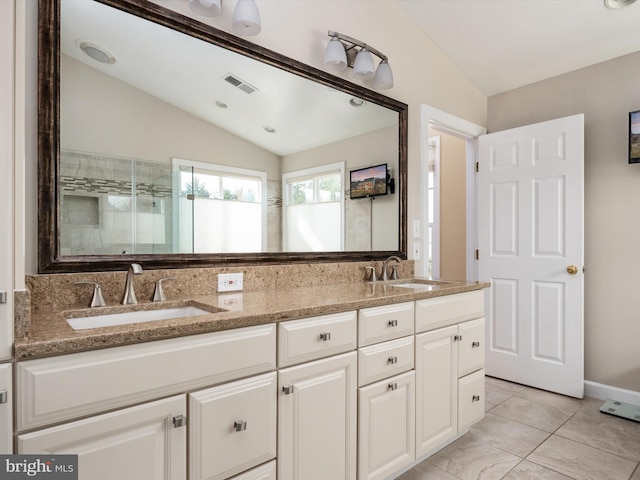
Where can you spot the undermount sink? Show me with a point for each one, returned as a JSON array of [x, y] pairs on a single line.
[[420, 283], [97, 319]]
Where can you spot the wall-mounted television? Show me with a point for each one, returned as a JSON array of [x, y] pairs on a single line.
[[368, 182]]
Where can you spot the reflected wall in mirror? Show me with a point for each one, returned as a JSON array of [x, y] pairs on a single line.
[[196, 146]]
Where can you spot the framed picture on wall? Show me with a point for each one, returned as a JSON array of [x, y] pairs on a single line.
[[634, 137]]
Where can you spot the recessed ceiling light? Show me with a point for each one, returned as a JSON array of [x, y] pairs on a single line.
[[220, 104], [269, 129], [617, 4], [98, 53], [356, 102]]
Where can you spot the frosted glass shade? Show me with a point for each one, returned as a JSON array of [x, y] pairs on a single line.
[[206, 8], [363, 65], [335, 57], [246, 18], [383, 79]]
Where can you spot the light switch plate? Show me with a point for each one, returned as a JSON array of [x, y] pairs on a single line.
[[230, 282], [416, 229]]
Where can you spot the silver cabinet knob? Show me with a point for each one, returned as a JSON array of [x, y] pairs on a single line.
[[475, 344], [457, 338], [393, 323], [240, 425], [325, 336], [179, 421], [392, 360], [287, 389], [393, 386], [475, 398], [3, 396]]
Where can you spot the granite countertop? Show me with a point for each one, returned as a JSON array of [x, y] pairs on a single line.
[[50, 334]]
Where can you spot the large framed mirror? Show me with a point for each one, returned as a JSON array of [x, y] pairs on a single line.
[[168, 142]]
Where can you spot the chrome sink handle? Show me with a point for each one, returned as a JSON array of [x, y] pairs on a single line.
[[97, 300], [158, 293], [372, 276]]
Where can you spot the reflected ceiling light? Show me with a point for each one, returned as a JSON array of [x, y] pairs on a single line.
[[246, 17], [356, 102], [206, 8], [343, 51], [97, 52]]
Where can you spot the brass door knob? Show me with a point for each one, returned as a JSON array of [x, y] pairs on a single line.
[[572, 269]]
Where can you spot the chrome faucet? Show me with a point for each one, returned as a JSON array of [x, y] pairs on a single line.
[[385, 265], [129, 293]]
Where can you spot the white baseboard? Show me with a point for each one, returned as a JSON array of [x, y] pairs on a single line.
[[607, 392]]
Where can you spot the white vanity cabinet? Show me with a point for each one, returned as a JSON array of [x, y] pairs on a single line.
[[449, 367], [146, 442], [317, 414], [230, 374], [386, 397], [6, 409]]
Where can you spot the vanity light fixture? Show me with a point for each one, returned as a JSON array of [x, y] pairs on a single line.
[[246, 17], [343, 51], [617, 4]]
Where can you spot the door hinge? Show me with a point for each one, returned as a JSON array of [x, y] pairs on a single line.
[[477, 167], [477, 254]]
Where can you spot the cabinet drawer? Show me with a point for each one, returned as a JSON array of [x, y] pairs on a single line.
[[232, 427], [471, 347], [60, 388], [378, 324], [263, 472], [382, 360], [316, 337], [470, 399], [449, 309]]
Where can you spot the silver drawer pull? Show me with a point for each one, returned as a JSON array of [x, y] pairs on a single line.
[[3, 396], [179, 421], [393, 386], [392, 360], [393, 323], [240, 425], [325, 336], [457, 338], [475, 344], [475, 398], [287, 389]]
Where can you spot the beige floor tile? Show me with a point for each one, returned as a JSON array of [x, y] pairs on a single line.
[[495, 396], [562, 402], [580, 461], [636, 476], [537, 415], [469, 459], [530, 471], [504, 434], [605, 432], [498, 385], [488, 406], [426, 471]]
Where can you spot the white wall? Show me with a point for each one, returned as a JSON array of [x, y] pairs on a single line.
[[605, 93]]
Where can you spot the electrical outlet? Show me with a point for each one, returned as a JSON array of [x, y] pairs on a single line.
[[416, 250], [230, 282]]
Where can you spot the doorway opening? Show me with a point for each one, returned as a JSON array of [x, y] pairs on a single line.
[[448, 195]]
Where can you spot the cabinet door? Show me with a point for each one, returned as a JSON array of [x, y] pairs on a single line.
[[470, 399], [386, 426], [471, 347], [6, 409], [317, 420], [232, 427], [436, 388], [139, 442]]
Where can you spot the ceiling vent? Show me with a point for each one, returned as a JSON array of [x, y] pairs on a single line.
[[238, 83]]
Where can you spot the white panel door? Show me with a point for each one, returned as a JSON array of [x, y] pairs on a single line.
[[530, 224]]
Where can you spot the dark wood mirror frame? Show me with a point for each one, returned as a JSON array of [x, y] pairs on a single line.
[[49, 258]]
